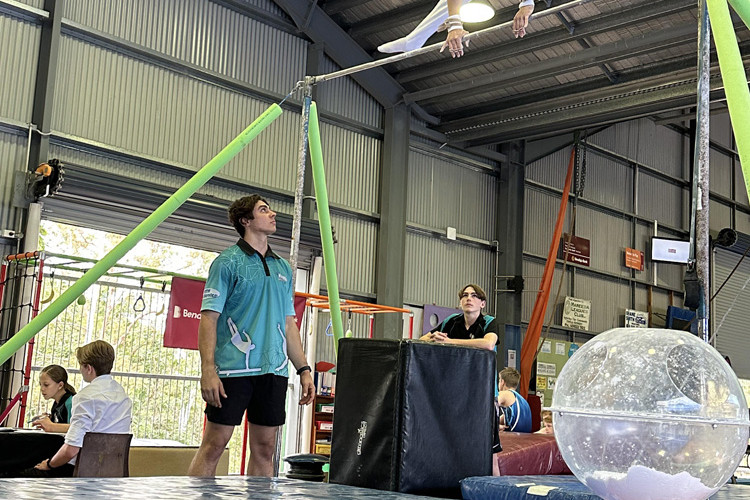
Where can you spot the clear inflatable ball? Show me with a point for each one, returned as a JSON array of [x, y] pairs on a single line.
[[650, 414]]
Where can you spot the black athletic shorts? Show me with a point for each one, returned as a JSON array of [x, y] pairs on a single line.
[[263, 396]]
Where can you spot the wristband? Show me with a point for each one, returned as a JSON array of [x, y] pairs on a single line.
[[456, 27], [305, 368], [49, 464]]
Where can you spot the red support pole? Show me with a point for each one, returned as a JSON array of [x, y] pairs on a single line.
[[30, 349], [2, 283], [9, 407], [372, 324], [411, 326], [244, 446]]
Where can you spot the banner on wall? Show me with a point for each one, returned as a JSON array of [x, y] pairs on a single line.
[[184, 313]]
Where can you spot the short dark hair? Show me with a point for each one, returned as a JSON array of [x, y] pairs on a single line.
[[477, 289], [98, 354], [243, 209], [511, 377]]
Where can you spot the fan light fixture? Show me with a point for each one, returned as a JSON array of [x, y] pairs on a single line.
[[477, 11]]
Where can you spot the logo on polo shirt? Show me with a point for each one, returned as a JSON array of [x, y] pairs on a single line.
[[211, 293], [282, 278]]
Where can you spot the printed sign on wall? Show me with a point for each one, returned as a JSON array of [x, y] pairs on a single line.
[[634, 259], [636, 319], [576, 250], [576, 313]]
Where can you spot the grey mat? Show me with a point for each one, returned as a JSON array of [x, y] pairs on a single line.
[[185, 488]]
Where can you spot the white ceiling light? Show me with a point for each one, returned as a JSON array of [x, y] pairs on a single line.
[[476, 11]]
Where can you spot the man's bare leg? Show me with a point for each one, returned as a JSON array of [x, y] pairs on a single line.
[[215, 439], [262, 447]]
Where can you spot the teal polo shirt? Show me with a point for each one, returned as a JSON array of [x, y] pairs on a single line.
[[253, 294]]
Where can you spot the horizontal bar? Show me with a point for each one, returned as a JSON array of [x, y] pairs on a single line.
[[379, 307], [24, 256], [436, 46]]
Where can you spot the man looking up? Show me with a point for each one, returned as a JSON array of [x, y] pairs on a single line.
[[247, 327]]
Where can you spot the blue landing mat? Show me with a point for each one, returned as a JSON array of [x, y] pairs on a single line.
[[556, 488], [184, 488]]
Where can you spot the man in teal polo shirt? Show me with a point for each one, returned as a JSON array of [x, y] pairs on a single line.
[[247, 336]]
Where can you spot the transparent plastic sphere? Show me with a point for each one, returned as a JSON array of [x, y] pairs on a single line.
[[650, 414]]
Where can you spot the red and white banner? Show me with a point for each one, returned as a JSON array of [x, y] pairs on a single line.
[[184, 313]]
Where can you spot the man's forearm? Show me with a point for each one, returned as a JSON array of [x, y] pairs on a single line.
[[294, 345], [487, 342], [207, 340]]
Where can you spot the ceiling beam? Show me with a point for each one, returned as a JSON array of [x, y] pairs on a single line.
[[548, 38], [568, 63], [335, 6], [590, 87], [670, 70], [340, 47], [410, 13], [595, 115]]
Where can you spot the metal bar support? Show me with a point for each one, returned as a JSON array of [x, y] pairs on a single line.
[[436, 46], [700, 168]]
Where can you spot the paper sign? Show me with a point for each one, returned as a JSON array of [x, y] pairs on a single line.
[[547, 346], [576, 313], [560, 348], [511, 358], [546, 369], [636, 319], [541, 382]]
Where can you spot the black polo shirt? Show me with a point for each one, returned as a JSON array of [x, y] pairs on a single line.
[[454, 326]]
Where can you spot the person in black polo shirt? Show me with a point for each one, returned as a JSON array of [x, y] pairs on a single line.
[[472, 328]]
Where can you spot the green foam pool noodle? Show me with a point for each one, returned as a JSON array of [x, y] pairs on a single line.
[[141, 231]]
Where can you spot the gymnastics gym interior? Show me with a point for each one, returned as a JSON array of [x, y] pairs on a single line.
[[585, 163]]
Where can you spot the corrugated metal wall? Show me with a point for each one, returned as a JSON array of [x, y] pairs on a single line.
[[19, 40], [203, 33], [444, 191], [614, 215], [344, 97], [437, 268], [355, 255], [12, 160]]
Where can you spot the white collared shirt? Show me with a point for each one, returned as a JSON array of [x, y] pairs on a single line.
[[101, 406]]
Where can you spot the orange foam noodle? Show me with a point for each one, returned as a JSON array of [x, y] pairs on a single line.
[[21, 256], [321, 301]]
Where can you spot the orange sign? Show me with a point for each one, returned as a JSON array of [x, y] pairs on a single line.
[[634, 259]]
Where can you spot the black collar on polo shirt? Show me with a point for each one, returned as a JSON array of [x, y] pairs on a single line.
[[249, 250], [479, 323]]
